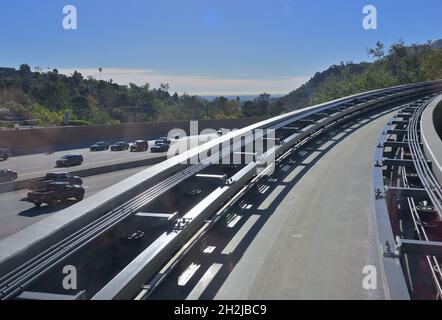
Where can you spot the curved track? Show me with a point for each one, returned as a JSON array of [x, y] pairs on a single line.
[[307, 236]]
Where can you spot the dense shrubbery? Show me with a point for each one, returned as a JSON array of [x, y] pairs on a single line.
[[49, 96], [399, 65]]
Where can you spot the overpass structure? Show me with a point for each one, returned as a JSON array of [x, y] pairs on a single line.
[[279, 209]]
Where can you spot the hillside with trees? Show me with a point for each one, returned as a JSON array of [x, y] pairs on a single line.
[[48, 96], [397, 65]]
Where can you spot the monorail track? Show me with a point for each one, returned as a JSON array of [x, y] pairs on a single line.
[[291, 131]]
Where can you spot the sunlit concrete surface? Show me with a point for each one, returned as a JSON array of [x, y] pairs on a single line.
[[306, 233]]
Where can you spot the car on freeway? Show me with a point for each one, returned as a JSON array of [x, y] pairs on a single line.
[[7, 175], [139, 145], [100, 146], [159, 147], [5, 153], [56, 192], [119, 146], [163, 140], [70, 160], [55, 177]]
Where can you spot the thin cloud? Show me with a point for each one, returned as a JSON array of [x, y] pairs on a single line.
[[194, 84]]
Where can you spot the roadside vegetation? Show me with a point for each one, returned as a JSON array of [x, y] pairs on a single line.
[[49, 96]]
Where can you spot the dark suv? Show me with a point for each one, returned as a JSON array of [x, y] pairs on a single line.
[[99, 146], [55, 192], [55, 177], [163, 140], [119, 146], [70, 160], [139, 145], [159, 147], [7, 175]]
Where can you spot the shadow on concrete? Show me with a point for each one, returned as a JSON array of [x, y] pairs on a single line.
[[221, 235], [45, 209]]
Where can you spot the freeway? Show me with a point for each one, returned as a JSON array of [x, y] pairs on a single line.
[[16, 213], [289, 237], [37, 165]]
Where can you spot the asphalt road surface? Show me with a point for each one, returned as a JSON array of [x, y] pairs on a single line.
[[16, 213], [37, 165], [305, 233]]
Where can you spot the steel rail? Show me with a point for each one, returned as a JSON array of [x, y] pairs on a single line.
[[430, 184], [422, 235], [426, 175]]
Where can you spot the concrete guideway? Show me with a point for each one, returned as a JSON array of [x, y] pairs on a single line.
[[306, 234]]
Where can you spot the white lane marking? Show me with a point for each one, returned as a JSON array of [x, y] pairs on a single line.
[[187, 274], [204, 282]]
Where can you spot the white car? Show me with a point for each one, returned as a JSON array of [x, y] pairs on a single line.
[[5, 153]]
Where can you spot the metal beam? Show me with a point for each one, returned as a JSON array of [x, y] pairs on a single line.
[[397, 144], [397, 131], [296, 129], [167, 216], [399, 122], [404, 115], [427, 248], [213, 176], [307, 120], [420, 193], [400, 162]]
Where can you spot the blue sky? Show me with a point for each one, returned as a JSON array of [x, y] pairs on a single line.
[[207, 46]]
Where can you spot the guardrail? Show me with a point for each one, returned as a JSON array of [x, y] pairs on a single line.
[[171, 172]]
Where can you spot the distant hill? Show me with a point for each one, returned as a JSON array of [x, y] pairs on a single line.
[[400, 64], [305, 95], [437, 44]]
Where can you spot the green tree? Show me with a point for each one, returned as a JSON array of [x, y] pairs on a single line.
[[24, 70]]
